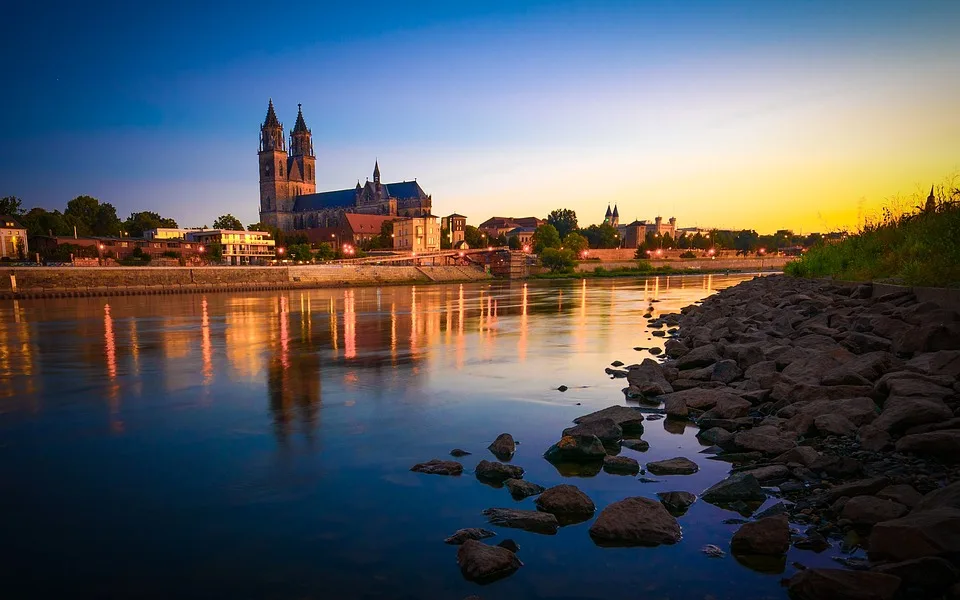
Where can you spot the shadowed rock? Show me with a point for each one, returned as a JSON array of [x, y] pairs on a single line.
[[676, 503], [485, 564], [629, 419], [673, 466], [621, 465], [438, 467], [528, 520], [767, 536], [470, 533], [840, 584], [521, 489], [494, 472], [576, 448], [606, 430], [503, 447], [567, 503], [635, 521]]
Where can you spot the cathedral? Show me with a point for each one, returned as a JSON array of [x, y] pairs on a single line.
[[288, 185]]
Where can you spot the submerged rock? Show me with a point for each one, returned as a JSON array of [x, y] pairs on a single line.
[[484, 564], [606, 430], [673, 466], [503, 447], [635, 521], [567, 503], [638, 445], [438, 467], [470, 533], [528, 520], [576, 448], [676, 503], [621, 465], [736, 487], [494, 472], [629, 419], [457, 452], [767, 536], [521, 489]]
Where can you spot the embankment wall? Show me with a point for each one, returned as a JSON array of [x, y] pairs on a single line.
[[749, 264], [37, 282]]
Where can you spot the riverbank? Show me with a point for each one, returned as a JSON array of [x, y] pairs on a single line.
[[842, 405], [631, 270], [68, 282]]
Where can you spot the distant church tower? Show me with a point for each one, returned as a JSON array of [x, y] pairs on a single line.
[[615, 219], [283, 177], [607, 217]]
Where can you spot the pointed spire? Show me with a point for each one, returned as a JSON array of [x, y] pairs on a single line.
[[271, 120], [376, 171], [616, 213], [608, 215], [300, 126], [931, 192]]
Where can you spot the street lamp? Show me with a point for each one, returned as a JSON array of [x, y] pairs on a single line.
[[280, 253]]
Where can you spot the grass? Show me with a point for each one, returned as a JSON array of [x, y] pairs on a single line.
[[921, 248]]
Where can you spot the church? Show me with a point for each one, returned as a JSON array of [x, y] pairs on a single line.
[[288, 187]]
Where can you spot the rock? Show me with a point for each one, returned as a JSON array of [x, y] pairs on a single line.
[[717, 436], [655, 351], [470, 533], [928, 338], [771, 511], [510, 545], [804, 455], [834, 425], [902, 412], [649, 378], [869, 510], [701, 356], [945, 363], [457, 452], [861, 487], [616, 363], [673, 466], [579, 448], [622, 465], [635, 521], [921, 533], [676, 503], [944, 445], [735, 487], [770, 473], [528, 520], [762, 441], [494, 472], [729, 408], [521, 489], [638, 445], [629, 419], [840, 584], [873, 438], [930, 573], [901, 494], [676, 408], [713, 551], [768, 536], [675, 348], [726, 371], [945, 497], [647, 480], [438, 467], [815, 542], [482, 563], [703, 399], [567, 503], [562, 388], [503, 447], [606, 430]]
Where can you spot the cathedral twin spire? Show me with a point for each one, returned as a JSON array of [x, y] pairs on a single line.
[[272, 138]]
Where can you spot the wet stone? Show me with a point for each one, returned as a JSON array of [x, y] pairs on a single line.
[[503, 447], [470, 533], [494, 472], [621, 465], [438, 467], [521, 489]]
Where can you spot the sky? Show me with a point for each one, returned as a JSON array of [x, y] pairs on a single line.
[[804, 115]]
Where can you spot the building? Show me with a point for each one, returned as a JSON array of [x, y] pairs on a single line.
[[416, 234], [524, 234], [168, 233], [637, 231], [456, 228], [13, 239], [239, 247], [612, 218], [288, 185], [494, 227], [692, 231], [350, 229], [112, 247]]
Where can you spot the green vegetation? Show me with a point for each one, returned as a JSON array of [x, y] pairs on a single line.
[[643, 269], [920, 247], [558, 261], [564, 220], [546, 236], [575, 242], [229, 222]]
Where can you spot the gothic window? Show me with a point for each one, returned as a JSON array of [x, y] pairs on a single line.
[[266, 170], [280, 169]]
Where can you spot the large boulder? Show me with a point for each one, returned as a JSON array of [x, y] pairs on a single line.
[[673, 466], [930, 573], [945, 363], [944, 445], [503, 447], [928, 338], [438, 467], [567, 502], [870, 510], [576, 448], [649, 378], [860, 487], [675, 407], [484, 564], [802, 455], [726, 371], [621, 465], [629, 419], [635, 521], [716, 436], [834, 425], [902, 412], [767, 536], [765, 439], [494, 472], [676, 503], [729, 408], [701, 356], [770, 473], [606, 430], [840, 584], [701, 398], [869, 367], [736, 487], [521, 489], [922, 533], [901, 494], [528, 520], [945, 497], [801, 415]]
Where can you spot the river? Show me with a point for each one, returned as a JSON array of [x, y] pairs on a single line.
[[258, 445]]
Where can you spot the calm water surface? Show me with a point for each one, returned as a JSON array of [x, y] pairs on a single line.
[[258, 445]]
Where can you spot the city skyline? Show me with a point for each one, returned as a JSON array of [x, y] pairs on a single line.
[[745, 116]]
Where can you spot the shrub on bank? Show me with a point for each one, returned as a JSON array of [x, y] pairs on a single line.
[[558, 261], [917, 248]]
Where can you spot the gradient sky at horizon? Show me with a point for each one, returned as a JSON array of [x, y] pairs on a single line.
[[804, 115]]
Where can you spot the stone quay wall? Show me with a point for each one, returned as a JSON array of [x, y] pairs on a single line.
[[54, 282], [747, 264]]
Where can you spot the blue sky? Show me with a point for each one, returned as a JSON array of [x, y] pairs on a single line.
[[734, 114]]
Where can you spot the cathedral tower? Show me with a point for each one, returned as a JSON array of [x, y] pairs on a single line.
[[303, 163], [615, 219], [275, 199]]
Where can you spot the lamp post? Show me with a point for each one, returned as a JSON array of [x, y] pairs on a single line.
[[762, 252], [100, 253]]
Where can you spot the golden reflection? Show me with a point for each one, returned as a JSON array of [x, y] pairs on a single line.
[[284, 333], [113, 388], [332, 311], [349, 325], [522, 344], [413, 320], [393, 332], [206, 348]]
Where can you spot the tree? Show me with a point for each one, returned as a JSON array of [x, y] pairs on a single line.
[[558, 261], [602, 236], [40, 222], [229, 222], [300, 252], [575, 242], [746, 241], [106, 222], [139, 222], [473, 237], [546, 236], [564, 220], [85, 210], [324, 251], [445, 243], [215, 252], [514, 243], [385, 239], [11, 205]]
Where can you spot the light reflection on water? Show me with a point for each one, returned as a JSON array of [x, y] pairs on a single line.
[[258, 445]]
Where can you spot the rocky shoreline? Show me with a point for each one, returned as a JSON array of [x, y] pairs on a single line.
[[842, 407]]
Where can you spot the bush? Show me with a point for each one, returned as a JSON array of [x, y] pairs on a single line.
[[558, 261], [644, 265], [688, 254], [599, 270]]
